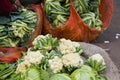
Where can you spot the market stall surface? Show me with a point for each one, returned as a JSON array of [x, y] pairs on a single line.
[[110, 39]]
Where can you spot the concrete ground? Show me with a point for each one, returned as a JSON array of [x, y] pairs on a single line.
[[109, 40]]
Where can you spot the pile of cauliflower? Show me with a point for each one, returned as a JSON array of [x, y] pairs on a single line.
[[32, 57], [44, 52]]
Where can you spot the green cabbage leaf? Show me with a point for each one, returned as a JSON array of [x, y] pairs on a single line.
[[84, 73], [60, 77]]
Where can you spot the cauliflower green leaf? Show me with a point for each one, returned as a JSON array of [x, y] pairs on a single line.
[[45, 43], [97, 63]]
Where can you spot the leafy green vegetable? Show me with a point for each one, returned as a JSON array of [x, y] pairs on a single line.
[[4, 20], [17, 76], [91, 20], [33, 73], [98, 66], [96, 63], [54, 53], [89, 11], [20, 28], [45, 43], [93, 5], [98, 77], [45, 74], [3, 66], [69, 69], [84, 73], [58, 11], [6, 70], [16, 28], [81, 6], [29, 16], [61, 76], [79, 50], [12, 16], [15, 15]]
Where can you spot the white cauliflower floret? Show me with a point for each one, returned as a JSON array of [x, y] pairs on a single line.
[[72, 59], [67, 46], [98, 58], [27, 63], [56, 64], [33, 57], [21, 68]]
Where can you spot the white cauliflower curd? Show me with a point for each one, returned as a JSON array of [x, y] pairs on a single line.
[[98, 58], [32, 57], [55, 64], [21, 68], [67, 46], [72, 59]]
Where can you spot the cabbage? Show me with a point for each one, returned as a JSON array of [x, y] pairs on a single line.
[[33, 74], [84, 73], [60, 77]]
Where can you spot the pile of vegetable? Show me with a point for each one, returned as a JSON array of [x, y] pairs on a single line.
[[15, 29], [89, 12], [50, 58], [77, 20], [53, 59], [58, 12]]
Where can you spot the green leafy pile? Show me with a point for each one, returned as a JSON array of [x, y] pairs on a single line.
[[89, 12], [6, 70], [15, 28], [58, 12]]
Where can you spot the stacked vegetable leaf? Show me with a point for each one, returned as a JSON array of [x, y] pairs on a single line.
[[89, 12], [58, 12], [15, 28], [6, 70], [53, 59]]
